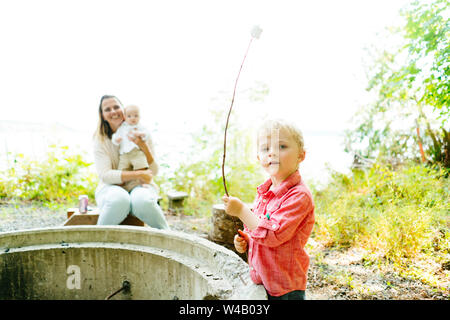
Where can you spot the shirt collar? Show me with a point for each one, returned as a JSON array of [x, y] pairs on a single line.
[[289, 182]]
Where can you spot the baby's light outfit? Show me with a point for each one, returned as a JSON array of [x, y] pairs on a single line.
[[131, 156]]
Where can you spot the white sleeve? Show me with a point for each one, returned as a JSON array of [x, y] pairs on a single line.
[[120, 133], [114, 137], [103, 165]]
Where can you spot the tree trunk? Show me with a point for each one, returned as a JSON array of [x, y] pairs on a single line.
[[224, 227]]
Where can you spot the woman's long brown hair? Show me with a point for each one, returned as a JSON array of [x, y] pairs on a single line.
[[103, 128]]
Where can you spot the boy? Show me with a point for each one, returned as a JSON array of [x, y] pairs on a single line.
[[131, 157], [277, 230]]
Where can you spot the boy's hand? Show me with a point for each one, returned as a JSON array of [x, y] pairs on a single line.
[[243, 235], [241, 242], [233, 206]]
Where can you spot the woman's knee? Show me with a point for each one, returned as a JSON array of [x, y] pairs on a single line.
[[118, 197], [144, 205], [142, 197], [114, 206]]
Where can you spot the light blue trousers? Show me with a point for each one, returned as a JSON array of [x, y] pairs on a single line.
[[115, 203]]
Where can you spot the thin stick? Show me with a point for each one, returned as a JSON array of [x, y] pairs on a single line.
[[228, 118]]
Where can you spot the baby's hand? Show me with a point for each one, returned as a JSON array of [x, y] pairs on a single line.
[[139, 134], [118, 140], [240, 242], [131, 136]]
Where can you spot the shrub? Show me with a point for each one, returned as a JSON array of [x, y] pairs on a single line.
[[396, 213], [59, 178]]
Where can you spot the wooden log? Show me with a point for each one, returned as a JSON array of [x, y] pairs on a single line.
[[223, 226]]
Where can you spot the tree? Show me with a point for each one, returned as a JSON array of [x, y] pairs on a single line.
[[411, 86]]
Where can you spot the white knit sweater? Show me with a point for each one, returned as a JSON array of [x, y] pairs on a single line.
[[106, 158]]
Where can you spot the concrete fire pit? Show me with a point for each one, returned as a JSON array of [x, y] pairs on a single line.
[[94, 262]]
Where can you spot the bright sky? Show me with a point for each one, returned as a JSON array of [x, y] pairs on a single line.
[[174, 57]]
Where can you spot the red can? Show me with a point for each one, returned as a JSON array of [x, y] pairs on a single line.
[[83, 203]]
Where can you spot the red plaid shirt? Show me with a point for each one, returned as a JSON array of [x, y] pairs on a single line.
[[276, 254]]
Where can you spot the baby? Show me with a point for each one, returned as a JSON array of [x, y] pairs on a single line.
[[131, 157]]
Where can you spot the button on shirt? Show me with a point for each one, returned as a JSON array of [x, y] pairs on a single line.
[[276, 255]]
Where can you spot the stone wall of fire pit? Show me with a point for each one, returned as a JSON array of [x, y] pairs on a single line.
[[93, 262]]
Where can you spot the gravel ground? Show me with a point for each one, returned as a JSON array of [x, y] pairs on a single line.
[[29, 216], [333, 274]]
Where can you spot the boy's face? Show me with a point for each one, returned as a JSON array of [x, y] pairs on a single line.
[[132, 116], [278, 153]]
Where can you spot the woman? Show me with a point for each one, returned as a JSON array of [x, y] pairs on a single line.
[[114, 202]]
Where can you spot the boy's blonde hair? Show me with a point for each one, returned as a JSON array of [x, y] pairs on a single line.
[[296, 133]]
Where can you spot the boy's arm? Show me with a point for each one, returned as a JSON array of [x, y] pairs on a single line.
[[248, 218], [235, 207], [296, 211]]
